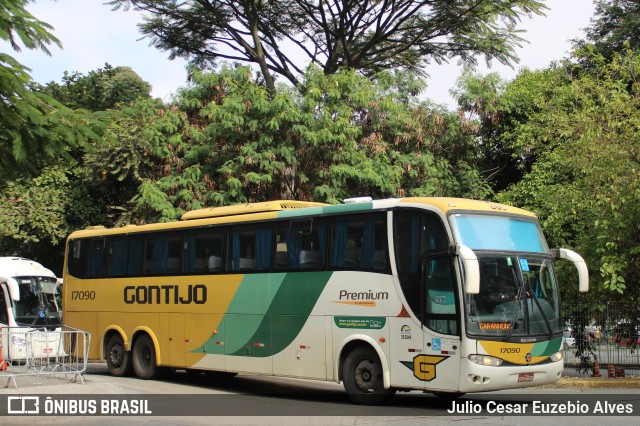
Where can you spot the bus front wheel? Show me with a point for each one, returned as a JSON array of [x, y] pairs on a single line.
[[362, 377], [144, 359], [118, 359]]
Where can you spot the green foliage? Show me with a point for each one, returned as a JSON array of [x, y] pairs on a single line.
[[18, 26], [34, 127], [45, 189], [562, 141], [510, 149], [580, 131], [33, 208], [100, 90], [34, 213], [116, 166], [616, 24], [228, 140]]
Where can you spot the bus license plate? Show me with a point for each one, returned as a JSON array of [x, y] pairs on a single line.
[[525, 377]]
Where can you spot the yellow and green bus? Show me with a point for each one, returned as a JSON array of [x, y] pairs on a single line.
[[440, 295]]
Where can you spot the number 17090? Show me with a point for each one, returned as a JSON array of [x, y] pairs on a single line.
[[83, 295]]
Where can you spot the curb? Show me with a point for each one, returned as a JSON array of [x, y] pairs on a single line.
[[594, 382]]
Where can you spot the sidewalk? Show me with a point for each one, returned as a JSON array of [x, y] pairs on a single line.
[[104, 384]]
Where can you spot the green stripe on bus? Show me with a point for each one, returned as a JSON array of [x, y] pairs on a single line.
[[244, 314], [338, 208], [266, 313], [546, 348], [255, 293], [287, 314]]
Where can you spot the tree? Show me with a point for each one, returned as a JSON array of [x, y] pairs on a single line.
[[508, 148], [481, 98], [33, 126], [115, 167], [100, 90], [369, 36], [228, 140], [34, 213], [19, 26], [582, 128], [616, 23]]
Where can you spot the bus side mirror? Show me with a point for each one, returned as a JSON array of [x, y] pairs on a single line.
[[581, 266], [12, 286], [471, 269]]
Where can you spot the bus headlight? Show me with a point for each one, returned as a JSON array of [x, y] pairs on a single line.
[[556, 357], [485, 360]]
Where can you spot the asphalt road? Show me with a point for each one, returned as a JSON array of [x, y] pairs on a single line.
[[184, 399]]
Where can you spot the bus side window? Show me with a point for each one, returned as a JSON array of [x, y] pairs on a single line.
[[162, 254], [302, 244], [125, 256], [78, 256], [359, 242], [4, 315], [420, 241], [97, 259], [135, 255], [202, 251], [415, 234], [441, 300], [249, 248], [118, 256], [284, 244], [344, 253]]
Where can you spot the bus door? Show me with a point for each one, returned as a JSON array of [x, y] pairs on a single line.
[[407, 347], [439, 364]]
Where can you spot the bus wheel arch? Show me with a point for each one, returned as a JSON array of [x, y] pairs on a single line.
[[363, 369], [116, 354], [145, 358]]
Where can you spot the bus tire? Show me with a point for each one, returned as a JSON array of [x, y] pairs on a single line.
[[362, 377], [118, 359], [144, 359]]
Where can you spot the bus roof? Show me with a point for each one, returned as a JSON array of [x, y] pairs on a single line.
[[291, 208], [13, 266], [448, 204], [238, 209]]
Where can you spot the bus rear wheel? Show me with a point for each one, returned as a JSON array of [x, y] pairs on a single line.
[[144, 359], [362, 377], [118, 359]]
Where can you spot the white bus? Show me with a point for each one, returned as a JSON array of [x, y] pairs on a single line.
[[439, 295], [29, 302]]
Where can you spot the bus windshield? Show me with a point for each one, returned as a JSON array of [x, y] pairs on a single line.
[[507, 233], [518, 292], [38, 304], [518, 297]]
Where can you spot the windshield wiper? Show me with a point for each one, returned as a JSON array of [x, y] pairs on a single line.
[[533, 296], [515, 312]]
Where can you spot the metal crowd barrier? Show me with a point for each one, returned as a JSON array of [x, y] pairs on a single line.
[[36, 352]]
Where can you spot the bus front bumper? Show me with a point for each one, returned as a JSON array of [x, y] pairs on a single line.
[[481, 378]]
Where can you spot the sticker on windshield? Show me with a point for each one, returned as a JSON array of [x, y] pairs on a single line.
[[495, 326], [524, 265]]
